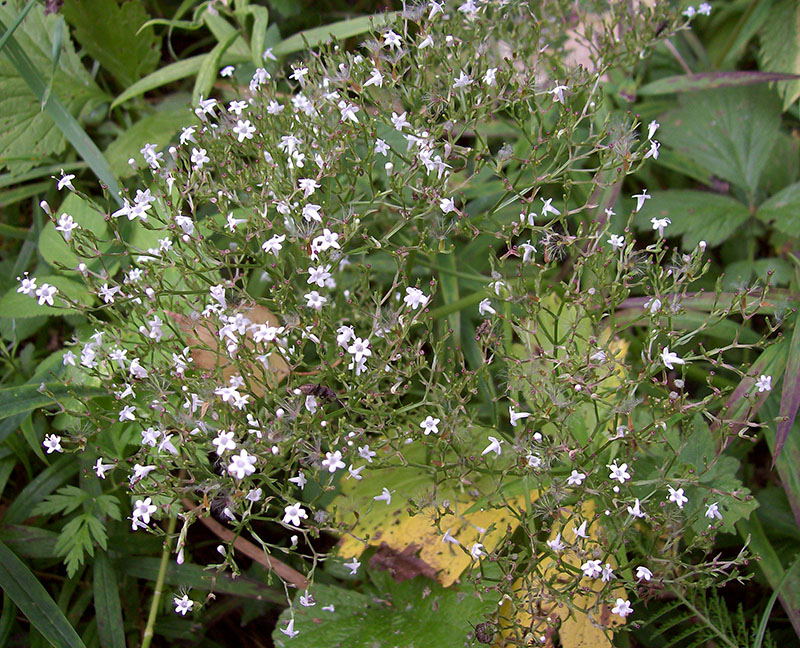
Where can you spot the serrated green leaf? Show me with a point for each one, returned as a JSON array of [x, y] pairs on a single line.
[[108, 609], [64, 501], [108, 505], [708, 128], [27, 135], [34, 602], [109, 32], [157, 128], [74, 542], [695, 215], [416, 612], [783, 210], [780, 46]]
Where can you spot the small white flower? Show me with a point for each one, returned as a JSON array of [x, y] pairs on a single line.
[[385, 496], [592, 569], [764, 383], [289, 630], [430, 424], [486, 307], [712, 512], [494, 446], [580, 532], [244, 130], [293, 513], [670, 358], [640, 199], [616, 241], [547, 208], [447, 205], [199, 158], [227, 71], [333, 461], [622, 608], [353, 566], [415, 298], [392, 40], [183, 605], [46, 294], [300, 480], [636, 510], [619, 473], [242, 465], [659, 223], [224, 442], [101, 469], [463, 81], [274, 244], [677, 496], [652, 127], [643, 573], [576, 478], [65, 225], [476, 551], [53, 443], [516, 416], [558, 93], [556, 544], [315, 300]]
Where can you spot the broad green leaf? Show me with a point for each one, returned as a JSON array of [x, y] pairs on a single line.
[[14, 305], [28, 397], [780, 46], [708, 128], [709, 80], [109, 32], [57, 252], [200, 578], [7, 619], [107, 604], [259, 33], [34, 602], [27, 134], [695, 215], [783, 210], [416, 612], [156, 128]]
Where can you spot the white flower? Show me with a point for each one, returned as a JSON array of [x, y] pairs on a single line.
[[516, 416], [494, 446], [143, 509], [289, 630], [381, 147], [643, 573], [359, 349], [415, 298], [65, 225], [704, 9], [591, 569], [53, 443], [293, 513], [355, 473], [712, 512], [447, 205], [46, 294], [556, 544], [319, 275], [127, 413], [300, 480], [430, 424], [376, 78], [636, 510], [764, 383], [640, 198], [669, 358], [659, 223], [476, 551], [224, 442], [227, 71], [333, 461], [27, 286], [365, 453], [652, 127], [244, 130], [580, 532], [315, 300], [199, 158], [385, 496], [558, 93], [620, 473], [65, 181], [677, 496], [576, 478], [242, 465], [392, 40], [353, 566], [274, 244], [548, 208], [528, 251], [622, 608], [489, 78], [463, 81], [449, 538], [399, 121], [348, 111], [183, 605], [486, 307], [616, 241]]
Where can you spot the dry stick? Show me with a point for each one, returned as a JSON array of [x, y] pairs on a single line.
[[250, 550]]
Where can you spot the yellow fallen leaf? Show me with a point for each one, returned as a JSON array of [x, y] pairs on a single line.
[[577, 629]]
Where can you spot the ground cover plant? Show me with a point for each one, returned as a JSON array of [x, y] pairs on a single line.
[[418, 338]]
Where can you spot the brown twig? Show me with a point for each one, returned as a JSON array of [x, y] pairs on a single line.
[[291, 576]]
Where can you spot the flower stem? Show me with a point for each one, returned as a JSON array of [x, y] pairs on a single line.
[[147, 638]]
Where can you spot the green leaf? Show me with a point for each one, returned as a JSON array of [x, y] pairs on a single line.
[[29, 541], [416, 612], [34, 602], [156, 128], [210, 68], [740, 273], [780, 46], [109, 33], [783, 210], [708, 128], [57, 252], [258, 33], [17, 22], [338, 30], [26, 133], [107, 607], [695, 215], [709, 80], [28, 397], [200, 578], [7, 619], [14, 305], [64, 501], [43, 484], [74, 542]]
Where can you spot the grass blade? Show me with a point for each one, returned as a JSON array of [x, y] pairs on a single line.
[[210, 67], [110, 627], [68, 125], [790, 396], [340, 30], [34, 602], [28, 397], [17, 21], [7, 619], [708, 80], [762, 626]]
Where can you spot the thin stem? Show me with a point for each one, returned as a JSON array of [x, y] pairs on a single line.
[[147, 637]]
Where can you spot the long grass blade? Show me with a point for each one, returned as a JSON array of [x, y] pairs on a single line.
[[17, 22]]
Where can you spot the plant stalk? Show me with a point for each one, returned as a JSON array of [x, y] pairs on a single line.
[[147, 637]]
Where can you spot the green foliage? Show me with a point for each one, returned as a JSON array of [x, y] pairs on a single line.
[[28, 135], [780, 45], [109, 33], [416, 612]]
